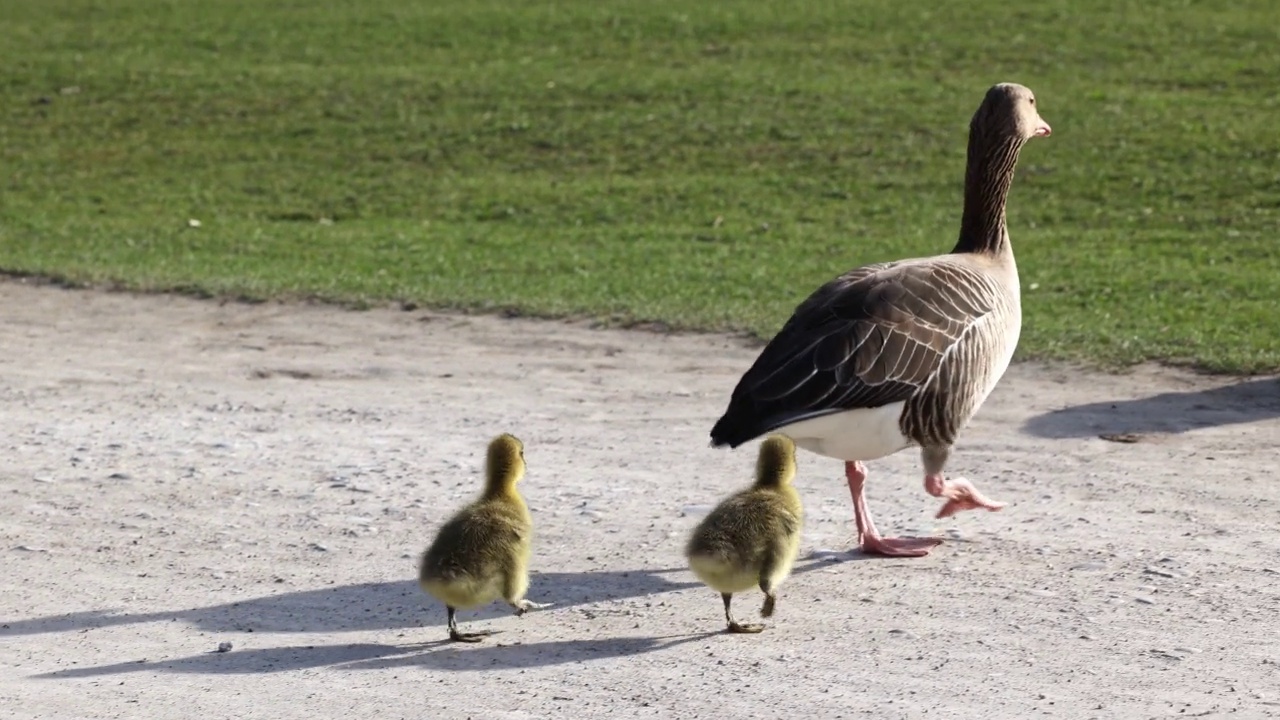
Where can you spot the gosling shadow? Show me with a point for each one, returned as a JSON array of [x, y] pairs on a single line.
[[370, 606], [375, 606], [248, 662], [1172, 412], [436, 655], [480, 658]]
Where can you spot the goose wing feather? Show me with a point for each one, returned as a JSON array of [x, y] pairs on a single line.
[[873, 336]]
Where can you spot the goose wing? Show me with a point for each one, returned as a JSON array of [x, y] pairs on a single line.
[[873, 336]]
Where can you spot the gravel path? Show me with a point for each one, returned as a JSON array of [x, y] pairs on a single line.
[[181, 475]]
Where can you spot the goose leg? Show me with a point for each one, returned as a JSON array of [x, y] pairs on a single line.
[[960, 493], [770, 598], [871, 541], [734, 625], [456, 636]]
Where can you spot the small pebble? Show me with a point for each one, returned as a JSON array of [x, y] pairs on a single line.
[[1144, 600], [224, 646]]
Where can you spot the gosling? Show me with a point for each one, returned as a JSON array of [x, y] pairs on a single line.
[[753, 536], [482, 553]]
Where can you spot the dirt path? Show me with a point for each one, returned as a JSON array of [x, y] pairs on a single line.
[[179, 474]]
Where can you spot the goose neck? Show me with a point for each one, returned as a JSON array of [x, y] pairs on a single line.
[[988, 178]]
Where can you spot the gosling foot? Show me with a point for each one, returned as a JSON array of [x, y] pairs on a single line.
[[473, 637], [524, 606], [734, 625]]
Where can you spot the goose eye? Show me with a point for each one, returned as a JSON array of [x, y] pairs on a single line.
[[1033, 101]]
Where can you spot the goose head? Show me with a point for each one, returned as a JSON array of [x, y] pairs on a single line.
[[1009, 111]]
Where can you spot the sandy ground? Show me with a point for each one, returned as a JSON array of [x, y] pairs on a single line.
[[180, 473]]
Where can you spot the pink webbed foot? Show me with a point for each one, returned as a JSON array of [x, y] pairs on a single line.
[[898, 546], [870, 540], [961, 495]]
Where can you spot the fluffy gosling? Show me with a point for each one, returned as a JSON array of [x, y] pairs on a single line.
[[482, 553], [753, 536]]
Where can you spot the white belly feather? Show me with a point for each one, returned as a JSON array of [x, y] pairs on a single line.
[[871, 433], [863, 434]]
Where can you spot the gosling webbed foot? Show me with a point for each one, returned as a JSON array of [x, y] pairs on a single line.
[[770, 601], [472, 637], [734, 625], [456, 636], [524, 606]]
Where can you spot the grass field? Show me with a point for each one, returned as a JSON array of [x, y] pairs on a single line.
[[700, 164]]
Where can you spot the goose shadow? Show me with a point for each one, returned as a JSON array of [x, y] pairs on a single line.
[[438, 655], [375, 606], [1171, 412]]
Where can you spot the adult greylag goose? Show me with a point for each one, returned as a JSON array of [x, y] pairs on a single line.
[[902, 354]]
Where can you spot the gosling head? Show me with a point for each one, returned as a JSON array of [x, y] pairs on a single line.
[[776, 464], [504, 466]]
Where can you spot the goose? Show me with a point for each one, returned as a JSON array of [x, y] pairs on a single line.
[[482, 553], [902, 354], [752, 537]]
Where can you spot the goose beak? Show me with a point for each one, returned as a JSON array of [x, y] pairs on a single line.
[[1042, 129]]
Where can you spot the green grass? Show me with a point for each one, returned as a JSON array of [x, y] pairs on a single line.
[[700, 164]]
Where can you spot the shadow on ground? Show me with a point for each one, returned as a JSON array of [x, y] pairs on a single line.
[[1172, 412], [436, 656], [376, 606]]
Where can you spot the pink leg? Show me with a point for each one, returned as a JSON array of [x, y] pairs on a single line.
[[872, 543], [960, 494]]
